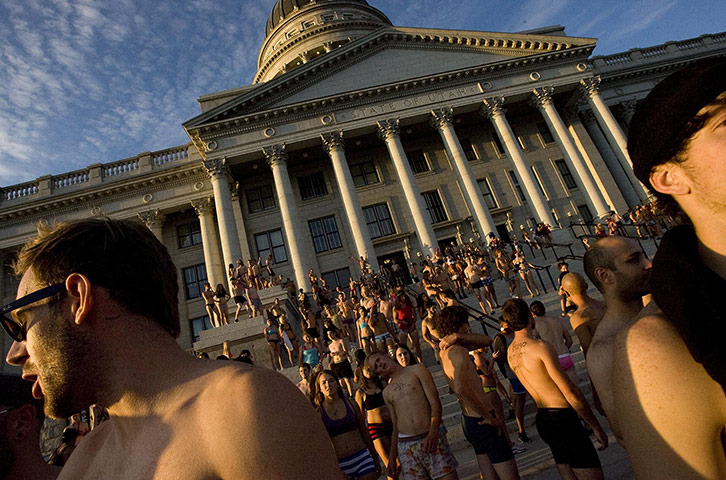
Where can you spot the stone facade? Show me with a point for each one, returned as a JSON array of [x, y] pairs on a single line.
[[385, 143]]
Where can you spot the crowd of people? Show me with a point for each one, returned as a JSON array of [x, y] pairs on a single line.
[[96, 317]]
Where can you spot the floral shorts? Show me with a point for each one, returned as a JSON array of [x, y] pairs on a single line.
[[416, 464]]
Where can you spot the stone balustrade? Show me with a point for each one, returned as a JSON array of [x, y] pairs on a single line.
[[606, 63], [93, 175]]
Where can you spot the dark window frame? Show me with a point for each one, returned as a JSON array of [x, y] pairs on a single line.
[[489, 199], [191, 231], [417, 161], [260, 199], [468, 147], [206, 325], [544, 133], [193, 287], [434, 203], [326, 236], [364, 173], [566, 174], [336, 275], [276, 249], [517, 187], [379, 225], [312, 186]]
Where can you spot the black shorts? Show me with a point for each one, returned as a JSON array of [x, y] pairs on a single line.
[[342, 369], [487, 440], [561, 429], [239, 299], [313, 332]]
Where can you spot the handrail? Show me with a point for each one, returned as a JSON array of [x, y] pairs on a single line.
[[546, 268]]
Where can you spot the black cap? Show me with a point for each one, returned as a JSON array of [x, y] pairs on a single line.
[[656, 129]]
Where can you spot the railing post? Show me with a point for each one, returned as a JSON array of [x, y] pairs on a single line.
[[145, 165], [45, 186], [95, 174]]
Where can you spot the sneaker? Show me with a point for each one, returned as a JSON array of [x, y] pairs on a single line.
[[518, 448], [523, 437]]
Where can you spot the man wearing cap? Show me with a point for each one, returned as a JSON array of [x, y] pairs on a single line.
[[669, 372], [21, 417]]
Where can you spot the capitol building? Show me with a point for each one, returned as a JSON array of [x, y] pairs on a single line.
[[360, 138]]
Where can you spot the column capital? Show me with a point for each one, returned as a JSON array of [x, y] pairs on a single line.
[[441, 117], [590, 86], [152, 218], [388, 128], [275, 154], [627, 108], [216, 167], [493, 107], [203, 206], [332, 141], [542, 97]]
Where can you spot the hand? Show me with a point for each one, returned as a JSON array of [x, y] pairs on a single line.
[[496, 354], [431, 441], [601, 437], [448, 341]]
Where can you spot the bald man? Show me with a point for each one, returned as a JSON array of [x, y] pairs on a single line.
[[585, 319], [621, 272]]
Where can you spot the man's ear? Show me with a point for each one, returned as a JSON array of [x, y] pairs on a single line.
[[669, 178], [82, 296], [20, 423], [605, 276]]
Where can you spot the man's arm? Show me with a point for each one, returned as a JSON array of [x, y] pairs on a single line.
[[471, 341], [307, 451], [393, 467], [467, 385], [670, 412], [432, 396], [571, 392]]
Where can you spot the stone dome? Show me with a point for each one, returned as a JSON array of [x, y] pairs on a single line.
[[297, 31]]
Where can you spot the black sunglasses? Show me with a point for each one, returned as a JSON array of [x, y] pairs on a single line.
[[15, 329]]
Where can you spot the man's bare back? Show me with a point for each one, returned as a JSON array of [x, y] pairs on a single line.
[[585, 319], [215, 425], [552, 331]]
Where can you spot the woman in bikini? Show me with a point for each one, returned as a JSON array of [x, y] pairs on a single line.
[[272, 335], [291, 345], [346, 427], [309, 353], [208, 294], [365, 334], [369, 398], [525, 273]]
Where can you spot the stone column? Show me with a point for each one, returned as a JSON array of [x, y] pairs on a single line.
[[613, 133], [240, 221], [442, 121], [388, 131], [218, 172], [615, 167], [334, 145], [210, 241], [277, 159], [154, 221], [493, 110], [542, 99]]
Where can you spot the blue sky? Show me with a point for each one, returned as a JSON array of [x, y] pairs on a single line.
[[84, 81]]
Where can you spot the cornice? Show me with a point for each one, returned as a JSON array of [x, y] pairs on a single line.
[[640, 71], [70, 202], [332, 104]]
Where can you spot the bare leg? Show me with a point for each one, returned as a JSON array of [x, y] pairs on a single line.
[[505, 470], [383, 446], [486, 468], [416, 345], [588, 473], [566, 472], [518, 400]]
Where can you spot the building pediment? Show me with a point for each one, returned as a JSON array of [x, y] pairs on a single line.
[[387, 58]]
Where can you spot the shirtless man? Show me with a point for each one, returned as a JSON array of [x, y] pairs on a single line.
[[486, 432], [668, 372], [95, 323], [418, 439], [559, 401], [585, 319], [239, 288], [552, 331], [381, 328], [621, 272]]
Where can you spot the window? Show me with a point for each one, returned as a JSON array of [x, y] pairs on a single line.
[[259, 199], [325, 234], [522, 143], [585, 213], [517, 187], [336, 278], [312, 186], [271, 243], [417, 160], [199, 324], [544, 133], [435, 207], [189, 234], [486, 191], [498, 144], [194, 279], [539, 182], [364, 174], [379, 220], [468, 148], [566, 174]]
